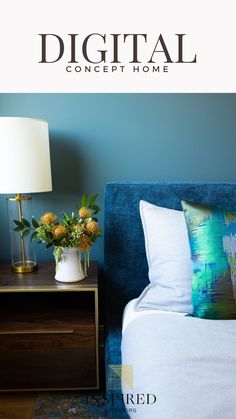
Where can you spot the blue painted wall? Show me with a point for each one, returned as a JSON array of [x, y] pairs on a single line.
[[95, 138]]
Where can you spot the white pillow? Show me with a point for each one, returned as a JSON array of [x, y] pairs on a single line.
[[169, 260]]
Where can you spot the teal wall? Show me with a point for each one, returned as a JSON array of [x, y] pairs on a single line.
[[95, 138]]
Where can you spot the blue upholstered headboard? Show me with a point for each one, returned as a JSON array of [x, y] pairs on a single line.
[[125, 261]]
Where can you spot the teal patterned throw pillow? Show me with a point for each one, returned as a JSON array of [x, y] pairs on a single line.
[[212, 237]]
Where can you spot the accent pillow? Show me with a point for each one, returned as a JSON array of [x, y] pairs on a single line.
[[212, 235], [169, 260]]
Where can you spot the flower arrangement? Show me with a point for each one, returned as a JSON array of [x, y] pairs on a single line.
[[79, 230]]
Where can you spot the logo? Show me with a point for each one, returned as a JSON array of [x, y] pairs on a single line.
[[99, 52], [119, 376]]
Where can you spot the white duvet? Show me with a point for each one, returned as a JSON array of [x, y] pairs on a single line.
[[187, 364]]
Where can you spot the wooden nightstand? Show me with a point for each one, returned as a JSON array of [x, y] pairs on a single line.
[[48, 331]]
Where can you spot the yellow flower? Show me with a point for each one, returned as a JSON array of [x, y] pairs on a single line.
[[48, 218], [59, 231], [84, 212], [93, 227], [74, 226], [85, 244]]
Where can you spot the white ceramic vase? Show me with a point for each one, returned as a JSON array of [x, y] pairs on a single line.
[[70, 267]]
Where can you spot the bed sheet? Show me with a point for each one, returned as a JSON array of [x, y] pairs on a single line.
[[131, 313], [178, 367]]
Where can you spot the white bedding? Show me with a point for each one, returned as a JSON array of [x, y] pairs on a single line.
[[131, 313], [189, 364]]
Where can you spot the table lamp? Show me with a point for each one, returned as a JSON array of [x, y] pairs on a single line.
[[24, 168]]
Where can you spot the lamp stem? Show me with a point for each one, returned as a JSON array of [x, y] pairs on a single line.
[[19, 201], [23, 259]]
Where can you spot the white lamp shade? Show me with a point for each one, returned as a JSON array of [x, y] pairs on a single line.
[[24, 156]]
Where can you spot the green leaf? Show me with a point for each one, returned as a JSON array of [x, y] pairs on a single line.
[[18, 223], [20, 228], [33, 236], [35, 223], [84, 200], [95, 208], [73, 218], [26, 222], [48, 245], [25, 233], [66, 217], [92, 199]]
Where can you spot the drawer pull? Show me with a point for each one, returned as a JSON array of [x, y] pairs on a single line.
[[36, 331]]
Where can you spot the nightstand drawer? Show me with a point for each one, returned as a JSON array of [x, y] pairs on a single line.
[[49, 331], [48, 360]]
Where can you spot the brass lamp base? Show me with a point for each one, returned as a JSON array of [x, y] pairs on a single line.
[[22, 253], [24, 267]]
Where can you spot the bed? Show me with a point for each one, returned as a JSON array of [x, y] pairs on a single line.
[[174, 366]]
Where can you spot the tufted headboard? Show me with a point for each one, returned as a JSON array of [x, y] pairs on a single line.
[[126, 271]]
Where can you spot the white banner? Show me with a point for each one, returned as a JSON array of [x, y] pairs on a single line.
[[125, 46]]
